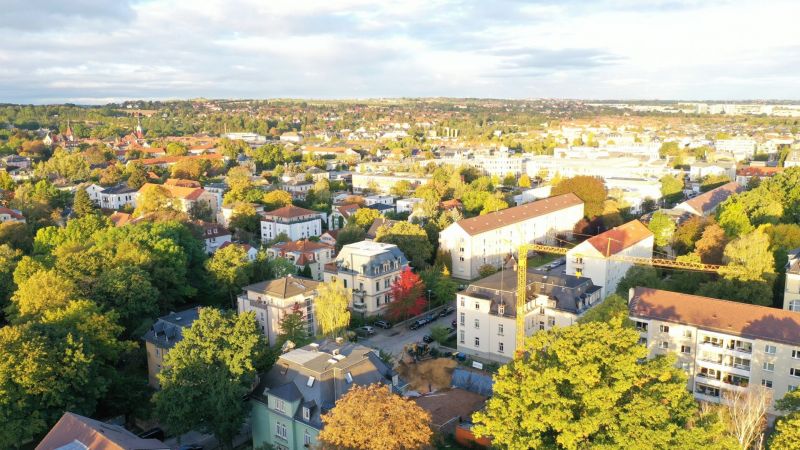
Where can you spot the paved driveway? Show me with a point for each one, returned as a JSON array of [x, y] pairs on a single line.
[[393, 340]]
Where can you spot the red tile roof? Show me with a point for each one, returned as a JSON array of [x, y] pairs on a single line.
[[755, 171], [174, 159], [619, 238], [289, 211], [94, 435], [302, 246], [12, 212], [741, 319], [509, 216]]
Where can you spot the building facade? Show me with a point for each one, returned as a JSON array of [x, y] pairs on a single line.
[[488, 239], [791, 290], [304, 384], [162, 336], [273, 299], [297, 223], [486, 311], [304, 253], [597, 257], [725, 347], [368, 269], [114, 197]]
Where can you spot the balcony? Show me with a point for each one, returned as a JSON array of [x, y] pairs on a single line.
[[359, 306], [724, 366]]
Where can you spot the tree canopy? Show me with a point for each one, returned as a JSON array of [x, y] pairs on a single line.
[[591, 190]]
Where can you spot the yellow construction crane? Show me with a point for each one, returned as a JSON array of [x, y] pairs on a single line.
[[522, 272]]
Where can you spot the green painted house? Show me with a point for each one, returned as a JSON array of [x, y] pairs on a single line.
[[304, 384]]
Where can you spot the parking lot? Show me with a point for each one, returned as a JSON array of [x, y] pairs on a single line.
[[394, 339]]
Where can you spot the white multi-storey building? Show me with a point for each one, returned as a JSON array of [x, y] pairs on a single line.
[[500, 164], [791, 290], [378, 200], [114, 197], [407, 205], [596, 257], [740, 149], [488, 239], [297, 223], [272, 300], [486, 310], [368, 269], [724, 346]]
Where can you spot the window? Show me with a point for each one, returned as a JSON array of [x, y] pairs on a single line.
[[663, 344], [279, 405], [643, 341], [770, 349], [687, 333], [686, 350], [766, 383], [551, 321], [345, 283], [280, 430], [377, 285], [462, 301], [306, 413], [461, 336], [307, 439], [794, 305], [461, 319], [461, 258], [349, 377], [500, 347], [501, 309], [769, 367], [795, 372], [791, 388], [641, 326], [477, 305], [796, 354], [500, 329], [477, 323], [663, 328], [310, 381], [477, 342]]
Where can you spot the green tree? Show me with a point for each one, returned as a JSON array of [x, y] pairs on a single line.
[[330, 308], [687, 233], [205, 375], [671, 188], [9, 258], [411, 239], [153, 198], [230, 269], [440, 333], [486, 270], [363, 217], [293, 327], [591, 190], [787, 433], [280, 267], [732, 217], [350, 234], [524, 181], [402, 188], [614, 307], [663, 229], [6, 182], [176, 149], [639, 276], [711, 245], [748, 258], [42, 291], [585, 386], [492, 204], [276, 199], [137, 175], [83, 205]]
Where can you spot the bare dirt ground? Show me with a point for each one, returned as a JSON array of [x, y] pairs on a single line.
[[427, 376]]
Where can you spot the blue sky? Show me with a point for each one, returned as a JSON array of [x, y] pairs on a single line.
[[97, 51]]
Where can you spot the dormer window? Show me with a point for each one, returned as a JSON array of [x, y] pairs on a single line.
[[349, 377], [501, 309], [306, 413]]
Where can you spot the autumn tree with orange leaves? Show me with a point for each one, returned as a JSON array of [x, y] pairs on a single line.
[[371, 417]]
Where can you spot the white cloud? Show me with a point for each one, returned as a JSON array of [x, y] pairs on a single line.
[[96, 50]]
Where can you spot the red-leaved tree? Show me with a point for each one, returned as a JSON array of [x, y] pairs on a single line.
[[408, 296]]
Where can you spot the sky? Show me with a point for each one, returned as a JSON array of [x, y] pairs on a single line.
[[100, 51]]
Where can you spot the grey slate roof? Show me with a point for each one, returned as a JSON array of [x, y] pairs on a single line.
[[568, 291], [168, 330], [121, 188]]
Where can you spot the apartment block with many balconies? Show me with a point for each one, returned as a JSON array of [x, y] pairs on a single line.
[[725, 347], [368, 269]]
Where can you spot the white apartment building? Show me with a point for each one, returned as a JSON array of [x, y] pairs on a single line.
[[791, 290], [487, 239], [378, 200], [596, 257], [383, 183], [741, 149], [500, 164], [407, 205], [608, 167], [273, 299], [368, 269], [724, 346], [295, 222], [114, 197], [486, 310], [699, 170], [792, 159]]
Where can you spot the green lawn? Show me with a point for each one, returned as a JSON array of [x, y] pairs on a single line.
[[541, 258]]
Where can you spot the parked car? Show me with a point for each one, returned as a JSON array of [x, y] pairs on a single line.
[[454, 323], [383, 324], [418, 323], [365, 331], [447, 311], [427, 338]]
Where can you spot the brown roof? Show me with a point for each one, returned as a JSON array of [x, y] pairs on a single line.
[[188, 193], [285, 287], [11, 212], [120, 218], [289, 211], [706, 202], [377, 223], [755, 171], [95, 435], [301, 246], [348, 209], [174, 159], [619, 238], [183, 183], [499, 219], [741, 319]]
